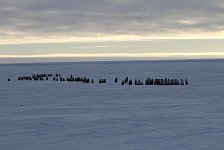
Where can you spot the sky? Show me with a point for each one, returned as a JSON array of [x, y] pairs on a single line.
[[106, 29]]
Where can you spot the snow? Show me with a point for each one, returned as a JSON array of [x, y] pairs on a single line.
[[38, 115]]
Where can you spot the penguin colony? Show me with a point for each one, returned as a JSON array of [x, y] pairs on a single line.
[[58, 78]]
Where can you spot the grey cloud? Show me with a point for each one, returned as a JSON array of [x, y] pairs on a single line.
[[53, 17]]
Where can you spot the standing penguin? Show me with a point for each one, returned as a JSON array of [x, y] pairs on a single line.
[[116, 80], [130, 82], [186, 81], [182, 82]]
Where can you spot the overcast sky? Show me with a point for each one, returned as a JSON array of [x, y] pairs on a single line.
[[103, 21]]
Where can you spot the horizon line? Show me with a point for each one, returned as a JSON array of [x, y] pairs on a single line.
[[120, 55]]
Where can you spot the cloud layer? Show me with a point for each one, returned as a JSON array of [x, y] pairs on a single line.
[[71, 20]]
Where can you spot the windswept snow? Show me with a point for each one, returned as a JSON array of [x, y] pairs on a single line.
[[41, 115]]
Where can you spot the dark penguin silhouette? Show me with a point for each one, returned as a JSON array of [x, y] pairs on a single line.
[[130, 82], [116, 80], [186, 81], [104, 81], [126, 80]]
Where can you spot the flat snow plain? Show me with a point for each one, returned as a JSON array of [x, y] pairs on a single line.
[[47, 115]]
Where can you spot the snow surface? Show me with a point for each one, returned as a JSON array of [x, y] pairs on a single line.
[[47, 115]]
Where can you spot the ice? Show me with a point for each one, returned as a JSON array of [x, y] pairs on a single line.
[[39, 115]]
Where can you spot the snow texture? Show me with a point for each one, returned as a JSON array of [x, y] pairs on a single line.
[[41, 115]]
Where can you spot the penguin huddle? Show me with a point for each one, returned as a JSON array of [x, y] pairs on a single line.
[[36, 77], [72, 78], [150, 81]]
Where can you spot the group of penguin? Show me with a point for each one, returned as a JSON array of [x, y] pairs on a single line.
[[71, 78], [150, 81]]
